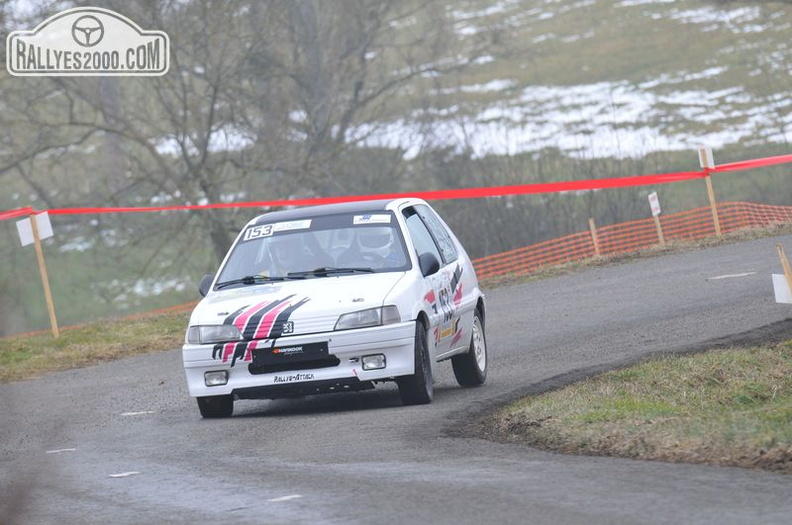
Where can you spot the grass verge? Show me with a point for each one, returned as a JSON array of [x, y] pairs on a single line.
[[725, 407], [28, 356]]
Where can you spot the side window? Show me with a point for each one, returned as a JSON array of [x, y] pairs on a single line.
[[421, 237], [439, 232]]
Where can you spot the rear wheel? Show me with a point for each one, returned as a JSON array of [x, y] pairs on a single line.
[[417, 389], [216, 406], [470, 369]]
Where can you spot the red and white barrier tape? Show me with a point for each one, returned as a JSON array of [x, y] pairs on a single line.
[[460, 193]]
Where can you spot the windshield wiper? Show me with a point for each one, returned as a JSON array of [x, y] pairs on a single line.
[[260, 279], [249, 279], [329, 270]]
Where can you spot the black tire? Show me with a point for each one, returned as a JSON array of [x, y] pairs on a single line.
[[216, 406], [418, 389], [470, 368]]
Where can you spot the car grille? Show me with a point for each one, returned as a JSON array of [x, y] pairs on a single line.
[[349, 384], [327, 362]]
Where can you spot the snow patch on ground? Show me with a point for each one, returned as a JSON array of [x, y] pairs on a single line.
[[604, 119]]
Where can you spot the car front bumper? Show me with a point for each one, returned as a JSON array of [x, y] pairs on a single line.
[[396, 342]]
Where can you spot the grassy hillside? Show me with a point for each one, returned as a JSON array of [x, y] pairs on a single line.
[[624, 79]]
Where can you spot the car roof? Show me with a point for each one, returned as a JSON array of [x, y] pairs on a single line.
[[332, 209]]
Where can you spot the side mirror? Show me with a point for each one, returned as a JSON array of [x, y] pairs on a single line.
[[428, 263], [206, 282]]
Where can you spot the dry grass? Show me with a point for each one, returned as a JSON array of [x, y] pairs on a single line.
[[30, 355], [725, 407]]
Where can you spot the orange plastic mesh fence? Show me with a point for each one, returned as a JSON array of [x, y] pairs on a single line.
[[631, 236]]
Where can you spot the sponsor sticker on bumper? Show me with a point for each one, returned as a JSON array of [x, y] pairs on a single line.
[[289, 354], [292, 378]]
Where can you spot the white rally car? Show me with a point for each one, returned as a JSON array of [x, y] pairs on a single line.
[[336, 298]]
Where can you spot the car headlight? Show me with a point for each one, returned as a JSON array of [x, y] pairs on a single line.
[[370, 317], [220, 333]]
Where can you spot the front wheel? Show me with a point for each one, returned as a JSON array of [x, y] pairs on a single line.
[[470, 369], [216, 406], [418, 389]]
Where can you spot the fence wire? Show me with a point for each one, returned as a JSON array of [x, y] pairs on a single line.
[[631, 236]]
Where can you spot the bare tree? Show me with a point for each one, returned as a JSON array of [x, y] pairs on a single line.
[[263, 100]]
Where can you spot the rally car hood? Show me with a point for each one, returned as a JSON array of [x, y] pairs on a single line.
[[293, 307]]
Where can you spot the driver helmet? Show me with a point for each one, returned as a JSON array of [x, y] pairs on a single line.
[[376, 240], [285, 251]]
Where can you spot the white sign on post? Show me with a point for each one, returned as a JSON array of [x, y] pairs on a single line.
[[654, 202], [781, 289], [706, 160], [25, 229]]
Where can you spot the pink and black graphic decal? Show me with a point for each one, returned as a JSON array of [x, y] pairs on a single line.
[[456, 290], [251, 320], [457, 333], [241, 316], [431, 299], [458, 296], [226, 351], [240, 351], [268, 320], [277, 328]]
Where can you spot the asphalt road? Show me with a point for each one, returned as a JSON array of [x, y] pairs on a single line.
[[364, 458]]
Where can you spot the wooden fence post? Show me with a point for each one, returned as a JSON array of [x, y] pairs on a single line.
[[713, 205], [44, 278], [660, 236], [594, 239], [707, 164]]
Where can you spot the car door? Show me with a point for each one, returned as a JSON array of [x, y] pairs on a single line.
[[447, 317]]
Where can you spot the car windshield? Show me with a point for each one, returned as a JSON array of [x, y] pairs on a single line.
[[316, 247]]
